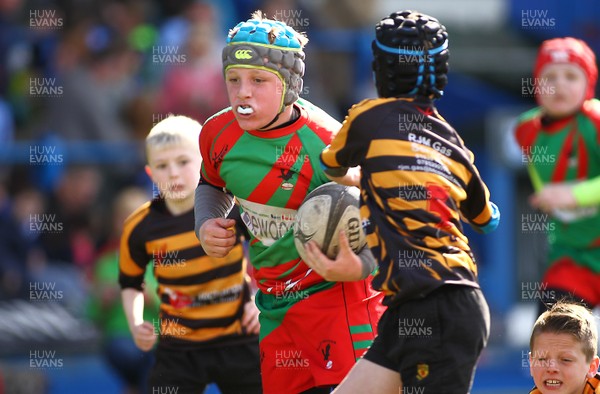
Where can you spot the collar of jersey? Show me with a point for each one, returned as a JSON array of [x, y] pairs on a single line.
[[557, 125], [281, 132]]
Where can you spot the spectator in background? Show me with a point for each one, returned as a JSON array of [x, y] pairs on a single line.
[[13, 250], [97, 82], [125, 16], [189, 78], [105, 307], [341, 36], [11, 39], [68, 231], [95, 93], [26, 204], [174, 33], [27, 46], [7, 124], [176, 26], [73, 205]]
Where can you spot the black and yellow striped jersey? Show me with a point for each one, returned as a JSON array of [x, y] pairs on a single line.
[[418, 181], [202, 297], [592, 386]]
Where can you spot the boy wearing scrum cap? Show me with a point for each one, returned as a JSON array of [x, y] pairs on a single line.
[[419, 183], [264, 150]]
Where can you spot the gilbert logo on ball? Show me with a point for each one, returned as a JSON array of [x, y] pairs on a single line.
[[327, 210]]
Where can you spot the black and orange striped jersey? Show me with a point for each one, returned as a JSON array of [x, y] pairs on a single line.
[[592, 386], [202, 297], [418, 181]]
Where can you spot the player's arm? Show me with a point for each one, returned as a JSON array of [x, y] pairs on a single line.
[[553, 196], [344, 176], [490, 219], [587, 193], [240, 227], [141, 331], [214, 231], [563, 195], [250, 321], [346, 267], [211, 203], [132, 263], [481, 213], [340, 160]]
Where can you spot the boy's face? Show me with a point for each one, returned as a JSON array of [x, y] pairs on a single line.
[[255, 96], [175, 170], [563, 88], [558, 364]]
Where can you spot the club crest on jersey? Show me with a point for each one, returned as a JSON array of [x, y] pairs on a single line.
[[422, 371], [326, 347], [286, 176], [217, 158]]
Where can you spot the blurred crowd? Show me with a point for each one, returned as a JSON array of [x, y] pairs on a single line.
[[103, 73], [100, 74]]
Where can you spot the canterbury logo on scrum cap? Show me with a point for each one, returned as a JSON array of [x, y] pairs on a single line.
[[242, 54]]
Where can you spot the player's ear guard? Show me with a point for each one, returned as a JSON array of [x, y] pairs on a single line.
[[269, 45]]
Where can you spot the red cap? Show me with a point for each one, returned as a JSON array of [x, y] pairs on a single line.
[[569, 50]]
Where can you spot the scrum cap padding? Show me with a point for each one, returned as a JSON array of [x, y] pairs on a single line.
[[410, 55], [270, 45]]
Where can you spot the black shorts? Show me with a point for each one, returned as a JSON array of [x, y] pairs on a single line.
[[234, 368], [434, 342]]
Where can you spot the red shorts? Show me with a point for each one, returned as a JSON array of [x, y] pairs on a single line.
[[320, 338], [565, 275]]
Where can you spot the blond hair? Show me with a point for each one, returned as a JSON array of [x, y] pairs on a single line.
[[174, 130], [259, 15]]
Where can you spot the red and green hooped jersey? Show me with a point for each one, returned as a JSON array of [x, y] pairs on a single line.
[[566, 150], [270, 173]]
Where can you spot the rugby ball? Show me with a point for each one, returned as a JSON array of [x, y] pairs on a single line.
[[326, 211]]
